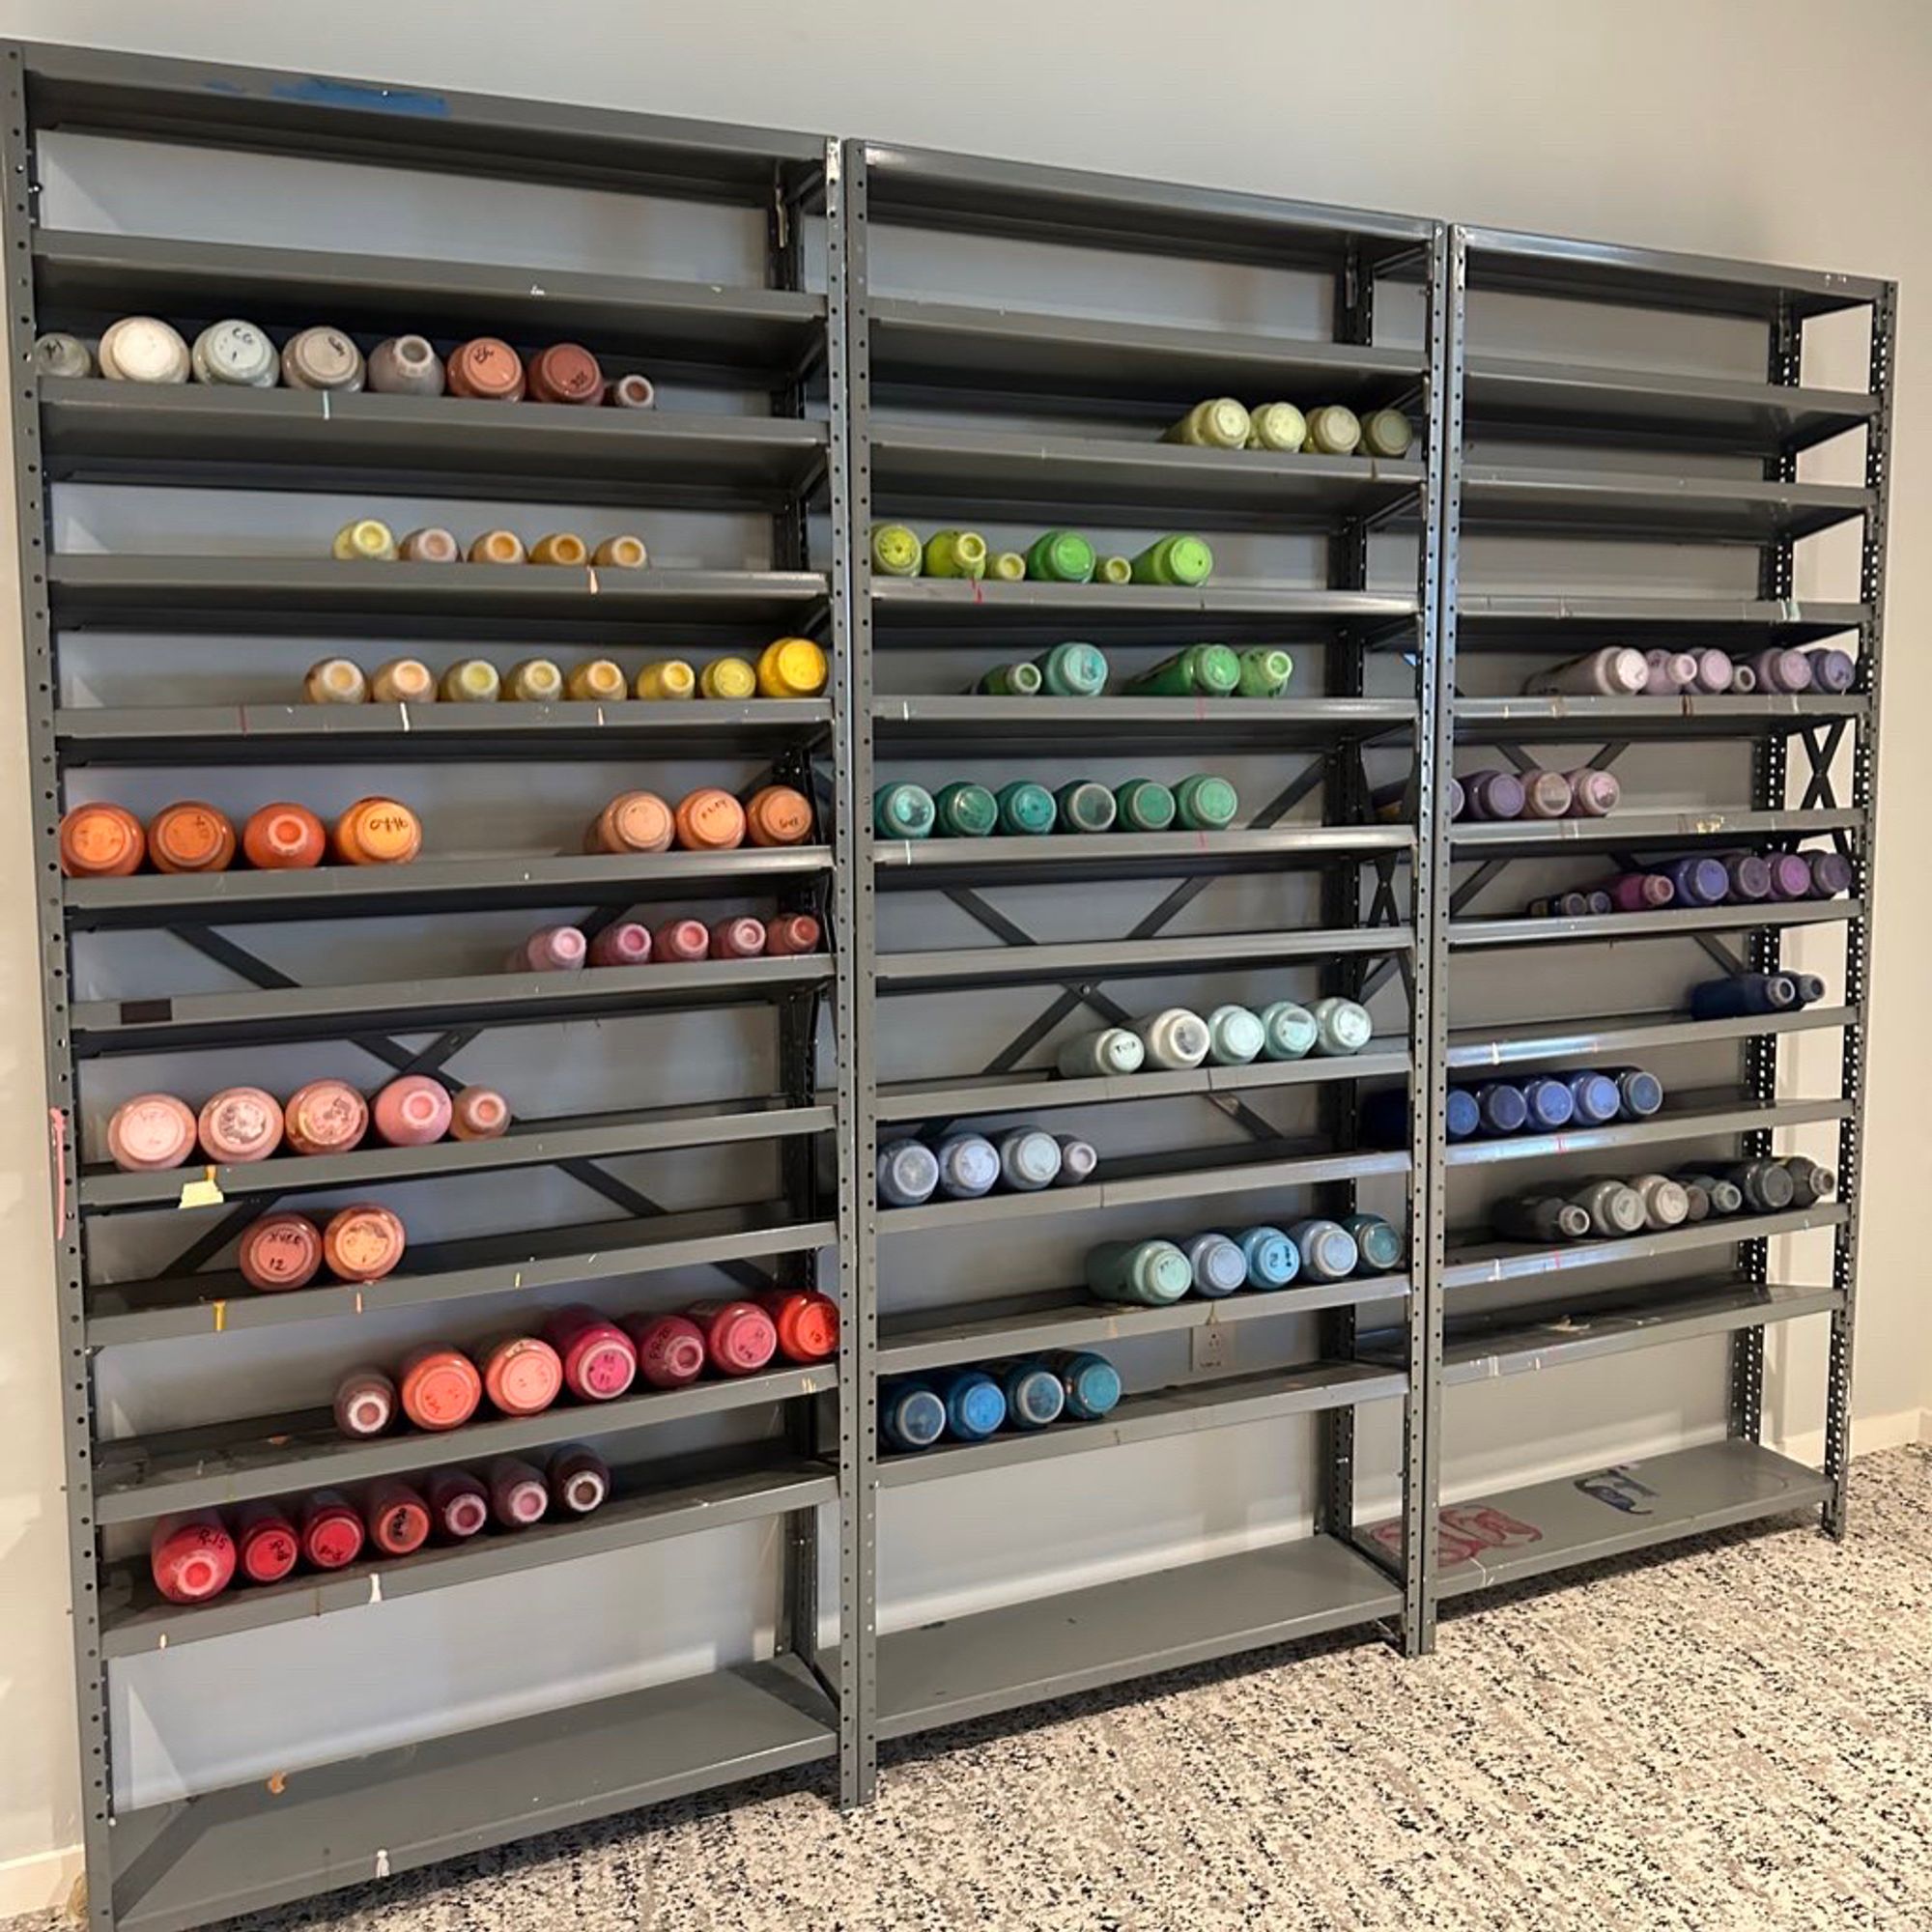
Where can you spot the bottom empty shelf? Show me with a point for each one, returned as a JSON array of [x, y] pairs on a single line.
[[1512, 1534], [256, 1845], [1026, 1653]]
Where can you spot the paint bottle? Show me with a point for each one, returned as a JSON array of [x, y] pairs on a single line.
[[562, 550], [976, 1406], [956, 554], [709, 819], [1749, 876], [1277, 426], [1725, 1196], [731, 678], [634, 821], [552, 948], [190, 836], [632, 391], [1174, 1039], [431, 544], [1266, 671], [63, 357], [622, 551], [1494, 795], [279, 1251], [366, 1403], [1072, 670], [534, 681], [1115, 570], [331, 1531], [470, 681], [1767, 1186], [1559, 905], [1220, 423], [790, 934], [1738, 995], [143, 349], [1782, 669], [440, 1387], [1811, 987], [401, 681], [1206, 803], [518, 1494], [1387, 434], [1547, 795], [1639, 1092], [364, 1243], [1669, 673], [1500, 1108], [1005, 566], [1545, 1219], [596, 681], [777, 815], [911, 1417], [1143, 805], [324, 1116], [739, 1336], [321, 358], [486, 369], [479, 1114], [1036, 1398], [671, 1350], [681, 942], [600, 1361], [909, 1173], [1333, 431], [578, 1479], [1218, 1266], [267, 1544], [235, 353], [1744, 681], [396, 1517], [1342, 1027], [1790, 874], [1028, 1159], [1291, 1032], [366, 539], [1085, 806], [1100, 1054], [736, 938], [459, 1504], [1551, 1104], [1595, 1098], [1079, 1160], [240, 1124], [566, 372], [1613, 1209], [335, 681], [1271, 1258], [155, 1131], [896, 551], [497, 547], [1327, 1250], [1810, 1184], [1377, 1242], [1640, 891], [903, 812], [1013, 680], [101, 841], [806, 1322], [965, 810], [1830, 872], [1832, 669], [969, 1166], [1616, 670], [1461, 1118], [191, 1556], [405, 365], [522, 1373], [1698, 1201], [377, 832], [1180, 561], [1699, 881], [1026, 808], [1091, 1382], [1236, 1035], [413, 1111], [1714, 671], [1060, 556], [1665, 1205]]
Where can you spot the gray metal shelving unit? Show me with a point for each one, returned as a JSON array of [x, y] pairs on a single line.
[[1674, 450], [157, 1866], [1111, 386]]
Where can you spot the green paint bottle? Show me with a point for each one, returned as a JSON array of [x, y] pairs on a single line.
[[1143, 805], [1015, 680], [1333, 431], [1085, 806], [1060, 556], [1005, 566], [1114, 570], [1219, 423], [1200, 670], [1206, 803], [1027, 809], [896, 550], [1072, 670], [956, 554], [1387, 432], [1277, 426], [902, 812], [1266, 669], [966, 811], [1178, 560]]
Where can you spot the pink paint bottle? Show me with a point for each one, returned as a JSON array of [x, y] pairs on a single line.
[[240, 1124], [192, 1557], [557, 948], [791, 933], [600, 1361], [517, 1497], [326, 1116], [739, 1337], [522, 1375], [625, 943], [150, 1132], [679, 941], [279, 1251], [1593, 794], [479, 1114], [671, 1350], [365, 1403], [738, 939], [459, 1504], [412, 1111]]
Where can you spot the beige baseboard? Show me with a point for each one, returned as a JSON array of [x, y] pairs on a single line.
[[1870, 1434], [46, 1882]]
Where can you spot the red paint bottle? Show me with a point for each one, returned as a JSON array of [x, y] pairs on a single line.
[[555, 948], [279, 1251], [625, 943], [739, 1337], [440, 1387], [458, 1503], [680, 940], [670, 1349], [806, 1322], [397, 1518], [791, 933], [150, 1132], [266, 1544], [740, 938], [192, 1557], [332, 1532], [326, 1116], [600, 1361], [240, 1124]]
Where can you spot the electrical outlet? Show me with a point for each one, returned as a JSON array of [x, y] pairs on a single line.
[[1212, 1347]]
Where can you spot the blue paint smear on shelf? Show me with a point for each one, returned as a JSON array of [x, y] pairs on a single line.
[[318, 92]]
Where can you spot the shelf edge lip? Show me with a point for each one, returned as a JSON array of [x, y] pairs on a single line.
[[1523, 930], [1092, 957], [1560, 834], [1504, 1050]]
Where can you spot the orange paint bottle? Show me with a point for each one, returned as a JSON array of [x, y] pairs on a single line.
[[190, 838], [377, 832], [634, 821], [777, 815], [284, 837], [364, 1242], [710, 820], [440, 1387], [279, 1251], [240, 1124], [326, 1116], [101, 841], [522, 1375]]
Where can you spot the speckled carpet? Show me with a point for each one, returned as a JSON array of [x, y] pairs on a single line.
[[1738, 1734]]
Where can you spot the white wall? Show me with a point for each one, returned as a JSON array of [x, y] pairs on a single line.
[[1778, 130]]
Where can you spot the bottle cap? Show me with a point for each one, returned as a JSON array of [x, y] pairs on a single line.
[[534, 681], [1035, 1396], [332, 1532], [1028, 807], [266, 1548], [150, 1132], [440, 1388], [192, 1559], [778, 815], [398, 1519], [401, 681], [241, 1123], [738, 938], [579, 1482], [1031, 1155], [326, 1116], [1219, 1264], [57, 353], [480, 1114], [321, 358], [1214, 800], [364, 1242], [335, 681], [279, 1251], [814, 1327], [740, 1338], [598, 680], [518, 1493], [412, 1111], [685, 938], [470, 681], [710, 820], [378, 832], [486, 369], [101, 841], [729, 678], [638, 821], [671, 1350], [565, 373], [560, 546], [497, 547], [1223, 422], [625, 943], [235, 352], [968, 1164], [622, 552], [969, 811], [980, 1406], [1168, 1272], [190, 836], [522, 1375], [1068, 555], [919, 1416], [896, 548], [632, 393], [1144, 804], [406, 365], [143, 349]]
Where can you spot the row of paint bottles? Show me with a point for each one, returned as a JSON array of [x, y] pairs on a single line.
[[1541, 1104], [1394, 803], [709, 819], [1742, 995], [101, 840], [1175, 1038], [1156, 1272], [1737, 878], [969, 1404], [1621, 670], [566, 948], [1584, 793], [1056, 556], [1611, 1206], [1204, 802], [370, 540], [964, 1166], [1224, 423], [1216, 670]]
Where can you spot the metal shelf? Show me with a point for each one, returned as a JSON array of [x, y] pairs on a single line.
[[1554, 1042], [452, 885], [403, 734], [1518, 1261], [1144, 1179], [474, 1269], [931, 726], [1062, 856], [1671, 923], [1554, 721], [1560, 627], [1537, 500], [1686, 1121], [1040, 1091], [84, 281], [166, 1024], [251, 1846], [961, 969], [1304, 1390], [1516, 396], [139, 1477], [462, 603], [527, 1144], [919, 469], [198, 437], [1069, 1319], [1641, 830]]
